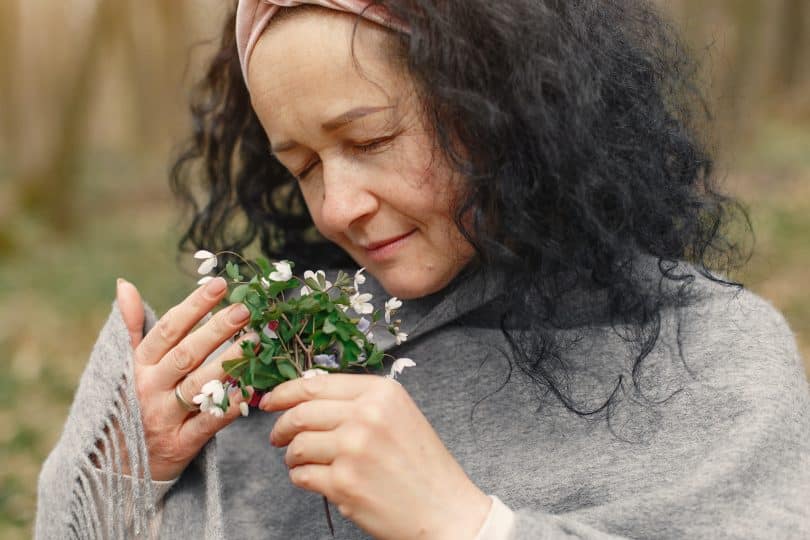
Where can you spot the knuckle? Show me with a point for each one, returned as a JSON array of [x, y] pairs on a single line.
[[353, 441], [300, 478], [166, 329], [312, 387], [182, 358], [372, 416], [295, 419], [294, 454], [198, 302], [218, 324]]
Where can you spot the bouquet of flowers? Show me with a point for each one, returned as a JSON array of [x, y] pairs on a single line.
[[326, 328]]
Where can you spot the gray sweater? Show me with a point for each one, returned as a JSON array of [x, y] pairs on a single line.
[[717, 444]]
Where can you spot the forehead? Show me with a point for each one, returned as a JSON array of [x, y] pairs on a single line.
[[322, 59]]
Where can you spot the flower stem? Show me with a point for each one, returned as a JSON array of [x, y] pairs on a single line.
[[328, 516]]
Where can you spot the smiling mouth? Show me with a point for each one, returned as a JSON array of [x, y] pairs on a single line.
[[377, 245]]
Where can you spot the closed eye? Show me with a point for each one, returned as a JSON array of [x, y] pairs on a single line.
[[373, 145], [366, 148]]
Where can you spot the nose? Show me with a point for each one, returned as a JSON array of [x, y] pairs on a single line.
[[347, 196]]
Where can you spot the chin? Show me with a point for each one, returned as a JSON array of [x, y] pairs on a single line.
[[403, 286]]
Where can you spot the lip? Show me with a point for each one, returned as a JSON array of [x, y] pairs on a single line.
[[384, 248]]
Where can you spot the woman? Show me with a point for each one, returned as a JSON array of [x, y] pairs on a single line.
[[529, 176]]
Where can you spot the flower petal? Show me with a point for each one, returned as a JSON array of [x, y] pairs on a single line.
[[203, 254], [207, 265], [399, 365]]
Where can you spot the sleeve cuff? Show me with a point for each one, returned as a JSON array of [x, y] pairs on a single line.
[[499, 522]]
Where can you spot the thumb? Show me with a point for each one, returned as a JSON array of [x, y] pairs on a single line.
[[131, 307]]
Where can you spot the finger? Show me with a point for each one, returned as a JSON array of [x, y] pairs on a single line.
[[131, 307], [197, 346], [313, 477], [193, 383], [311, 447], [333, 386], [199, 429], [177, 322], [318, 415]]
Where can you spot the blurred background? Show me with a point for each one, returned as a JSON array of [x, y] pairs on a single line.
[[93, 100]]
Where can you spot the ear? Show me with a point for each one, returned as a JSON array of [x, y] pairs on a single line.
[[131, 307]]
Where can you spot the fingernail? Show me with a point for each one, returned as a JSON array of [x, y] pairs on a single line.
[[238, 314], [216, 286], [264, 403]]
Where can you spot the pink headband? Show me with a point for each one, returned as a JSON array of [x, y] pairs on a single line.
[[252, 17]]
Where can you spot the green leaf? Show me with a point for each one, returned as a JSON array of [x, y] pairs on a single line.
[[375, 360], [239, 293], [287, 370], [233, 271], [266, 355], [309, 304], [234, 367], [264, 265], [264, 380], [345, 329], [350, 352], [321, 341]]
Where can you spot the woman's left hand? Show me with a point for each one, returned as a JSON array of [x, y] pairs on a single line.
[[361, 441]]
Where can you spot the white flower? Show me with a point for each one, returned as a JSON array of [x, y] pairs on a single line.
[[358, 341], [400, 337], [210, 398], [359, 279], [204, 280], [283, 271], [360, 303], [209, 261], [314, 372], [244, 410], [326, 360], [390, 306], [264, 283], [305, 290], [399, 365], [320, 278], [363, 324]]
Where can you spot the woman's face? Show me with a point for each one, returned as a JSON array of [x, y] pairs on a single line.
[[356, 139]]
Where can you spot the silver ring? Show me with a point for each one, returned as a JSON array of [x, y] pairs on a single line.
[[182, 401]]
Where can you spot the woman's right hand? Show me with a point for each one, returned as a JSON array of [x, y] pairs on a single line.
[[171, 354]]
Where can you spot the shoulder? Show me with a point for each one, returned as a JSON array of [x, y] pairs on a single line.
[[733, 337]]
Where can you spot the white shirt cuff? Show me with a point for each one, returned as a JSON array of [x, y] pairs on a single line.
[[499, 523]]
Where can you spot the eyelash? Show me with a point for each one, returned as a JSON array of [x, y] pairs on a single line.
[[362, 148]]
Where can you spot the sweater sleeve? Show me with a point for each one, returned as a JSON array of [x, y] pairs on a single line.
[[747, 474], [499, 522], [83, 490]]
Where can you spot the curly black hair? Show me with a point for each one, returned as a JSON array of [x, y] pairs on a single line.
[[577, 126]]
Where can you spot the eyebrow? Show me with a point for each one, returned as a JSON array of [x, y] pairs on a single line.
[[336, 123]]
